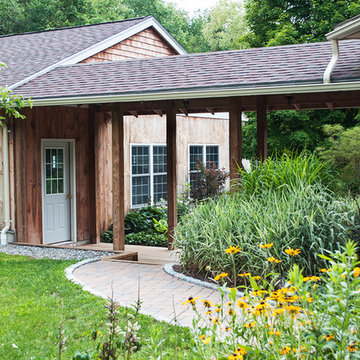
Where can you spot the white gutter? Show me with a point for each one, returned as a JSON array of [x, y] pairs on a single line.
[[333, 61], [6, 191], [197, 94]]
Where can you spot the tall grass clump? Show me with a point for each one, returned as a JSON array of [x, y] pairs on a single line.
[[287, 171], [290, 207]]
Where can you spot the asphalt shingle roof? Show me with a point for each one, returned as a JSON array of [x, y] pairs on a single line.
[[26, 54], [292, 64]]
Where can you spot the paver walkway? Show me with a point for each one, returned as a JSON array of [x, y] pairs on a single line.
[[159, 292]]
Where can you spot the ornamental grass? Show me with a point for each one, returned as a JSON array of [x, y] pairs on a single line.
[[297, 317]]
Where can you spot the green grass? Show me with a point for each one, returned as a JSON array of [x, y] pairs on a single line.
[[31, 295]]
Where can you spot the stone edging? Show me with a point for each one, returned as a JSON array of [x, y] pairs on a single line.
[[169, 269]]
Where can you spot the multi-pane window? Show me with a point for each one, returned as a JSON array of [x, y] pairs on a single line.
[[148, 174], [207, 154], [54, 176]]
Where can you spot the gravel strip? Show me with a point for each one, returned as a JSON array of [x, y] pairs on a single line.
[[52, 253]]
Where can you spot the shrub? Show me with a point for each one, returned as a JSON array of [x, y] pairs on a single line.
[[207, 182], [309, 218], [146, 238], [309, 318]]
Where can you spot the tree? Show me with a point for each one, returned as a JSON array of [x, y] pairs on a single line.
[[280, 22], [225, 26], [19, 16], [343, 149]]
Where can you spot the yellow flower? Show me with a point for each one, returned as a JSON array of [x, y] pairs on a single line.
[[229, 303], [250, 325], [311, 278], [221, 276], [272, 259], [293, 310], [357, 272], [233, 250], [352, 348], [292, 252], [279, 311], [231, 312], [207, 303], [191, 301], [207, 340], [202, 337], [275, 332], [266, 246], [244, 274], [329, 337], [256, 278], [324, 270], [227, 329], [242, 304], [286, 350]]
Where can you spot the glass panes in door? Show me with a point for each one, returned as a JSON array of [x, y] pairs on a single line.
[[54, 171]]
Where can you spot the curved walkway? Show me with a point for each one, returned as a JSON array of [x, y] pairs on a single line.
[[160, 293]]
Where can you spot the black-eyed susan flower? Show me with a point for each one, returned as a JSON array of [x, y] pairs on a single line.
[[190, 301], [353, 347], [207, 340], [293, 310], [285, 351], [207, 303], [242, 304], [256, 278], [329, 337], [250, 325], [244, 274], [311, 278], [292, 252], [274, 260], [275, 332], [356, 271], [233, 250], [266, 246], [221, 276], [216, 321]]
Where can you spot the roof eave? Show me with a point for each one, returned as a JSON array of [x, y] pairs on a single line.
[[344, 31], [198, 93]]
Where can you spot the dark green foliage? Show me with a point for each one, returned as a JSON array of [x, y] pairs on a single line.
[[140, 225], [146, 238], [142, 219], [291, 130], [343, 150], [288, 22], [208, 181]]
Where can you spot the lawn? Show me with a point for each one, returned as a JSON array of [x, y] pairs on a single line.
[[35, 295]]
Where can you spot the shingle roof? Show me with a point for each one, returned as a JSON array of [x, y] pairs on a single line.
[[292, 64], [26, 54]]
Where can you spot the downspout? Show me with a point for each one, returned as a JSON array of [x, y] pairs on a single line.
[[6, 191], [333, 61]]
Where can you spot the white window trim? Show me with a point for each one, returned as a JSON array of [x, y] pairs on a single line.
[[203, 155], [151, 174]]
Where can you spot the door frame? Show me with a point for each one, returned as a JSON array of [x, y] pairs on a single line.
[[72, 185]]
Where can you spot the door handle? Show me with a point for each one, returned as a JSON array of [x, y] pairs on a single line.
[[69, 196]]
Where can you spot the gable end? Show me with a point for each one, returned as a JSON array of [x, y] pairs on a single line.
[[146, 43]]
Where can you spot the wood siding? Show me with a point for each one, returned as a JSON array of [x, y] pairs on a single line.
[[49, 123], [147, 43], [1, 180]]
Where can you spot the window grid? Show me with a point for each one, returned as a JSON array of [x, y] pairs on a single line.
[[54, 167], [148, 174], [204, 153]]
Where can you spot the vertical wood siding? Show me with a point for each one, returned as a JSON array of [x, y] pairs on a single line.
[[147, 43], [49, 123]]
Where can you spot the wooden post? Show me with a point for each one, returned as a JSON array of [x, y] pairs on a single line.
[[171, 173], [235, 139], [261, 128], [92, 174], [118, 180]]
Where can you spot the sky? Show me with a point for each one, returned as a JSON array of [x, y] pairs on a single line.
[[193, 5]]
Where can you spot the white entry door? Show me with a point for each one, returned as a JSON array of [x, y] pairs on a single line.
[[56, 192]]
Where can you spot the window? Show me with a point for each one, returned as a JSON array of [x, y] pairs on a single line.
[[203, 153], [148, 174], [54, 171]]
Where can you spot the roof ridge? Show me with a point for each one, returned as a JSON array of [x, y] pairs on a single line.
[[75, 27]]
